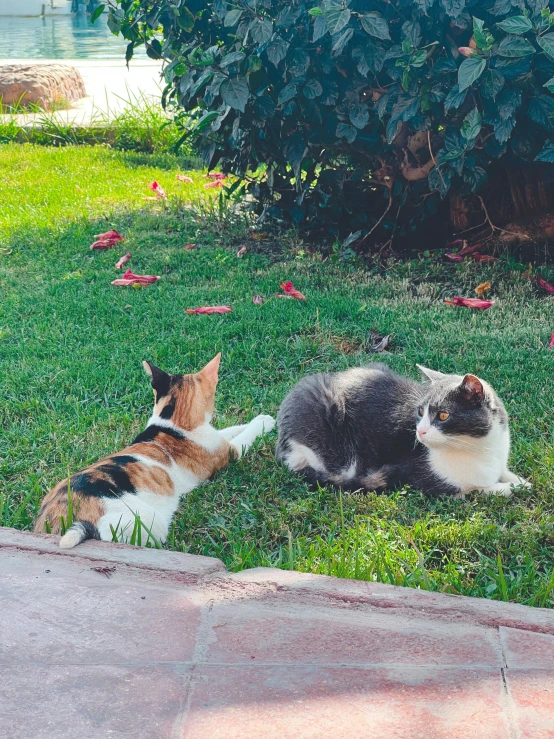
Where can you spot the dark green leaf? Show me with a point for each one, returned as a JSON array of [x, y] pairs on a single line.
[[454, 99], [453, 8], [412, 30], [514, 46], [154, 49], [261, 30], [340, 41], [232, 58], [312, 89], [287, 93], [346, 131], [375, 25], [277, 50], [475, 178], [265, 107], [232, 17], [235, 93], [295, 150], [336, 18], [491, 83], [320, 28], [471, 126], [97, 13], [374, 56], [418, 59], [115, 18], [129, 52], [547, 44], [298, 63], [508, 102], [550, 84], [517, 24], [287, 17], [359, 116], [450, 155], [186, 20], [546, 154], [541, 110], [483, 38], [440, 179], [470, 70], [503, 129]]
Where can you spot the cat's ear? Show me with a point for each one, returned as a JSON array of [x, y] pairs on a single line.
[[430, 374], [160, 379], [472, 390], [210, 371]]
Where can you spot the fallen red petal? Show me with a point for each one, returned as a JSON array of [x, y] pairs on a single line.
[[484, 258], [216, 175], [129, 278], [123, 260], [241, 252], [258, 300], [184, 178], [190, 246], [158, 189], [112, 235], [470, 302], [210, 309], [215, 183], [103, 244], [545, 285], [454, 257], [551, 345], [289, 289]]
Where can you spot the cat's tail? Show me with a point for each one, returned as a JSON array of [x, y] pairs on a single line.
[[78, 532]]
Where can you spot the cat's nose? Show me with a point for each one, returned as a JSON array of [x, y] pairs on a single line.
[[421, 432]]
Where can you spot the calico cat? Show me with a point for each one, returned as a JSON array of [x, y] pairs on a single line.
[[175, 453], [369, 428]]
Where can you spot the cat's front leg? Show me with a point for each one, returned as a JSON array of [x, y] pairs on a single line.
[[232, 431], [515, 480], [496, 488], [259, 425]]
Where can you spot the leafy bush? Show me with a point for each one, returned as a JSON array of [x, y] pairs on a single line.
[[355, 116]]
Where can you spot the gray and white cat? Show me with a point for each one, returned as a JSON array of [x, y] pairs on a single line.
[[373, 429]]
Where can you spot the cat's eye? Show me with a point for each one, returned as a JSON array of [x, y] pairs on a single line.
[[443, 415], [420, 411]]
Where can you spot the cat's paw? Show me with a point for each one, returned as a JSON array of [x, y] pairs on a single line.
[[266, 423], [522, 483]]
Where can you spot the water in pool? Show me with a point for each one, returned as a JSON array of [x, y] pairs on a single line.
[[62, 37]]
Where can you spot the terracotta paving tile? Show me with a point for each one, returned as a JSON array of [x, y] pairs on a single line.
[[345, 703], [97, 702], [326, 636], [527, 648], [91, 619], [532, 692]]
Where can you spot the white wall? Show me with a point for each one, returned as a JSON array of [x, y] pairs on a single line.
[[34, 7]]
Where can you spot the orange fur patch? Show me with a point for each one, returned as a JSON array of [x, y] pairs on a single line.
[[153, 479], [55, 506]]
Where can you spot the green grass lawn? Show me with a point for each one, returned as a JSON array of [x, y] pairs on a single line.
[[73, 388]]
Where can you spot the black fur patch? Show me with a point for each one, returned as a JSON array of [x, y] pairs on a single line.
[[465, 419], [91, 532], [168, 410], [151, 432], [117, 483]]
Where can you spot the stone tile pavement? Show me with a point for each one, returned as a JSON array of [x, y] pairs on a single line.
[[112, 641]]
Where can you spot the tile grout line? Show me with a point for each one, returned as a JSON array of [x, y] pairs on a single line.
[[199, 655], [507, 702]]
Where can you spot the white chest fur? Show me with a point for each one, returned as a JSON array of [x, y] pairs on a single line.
[[473, 463]]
